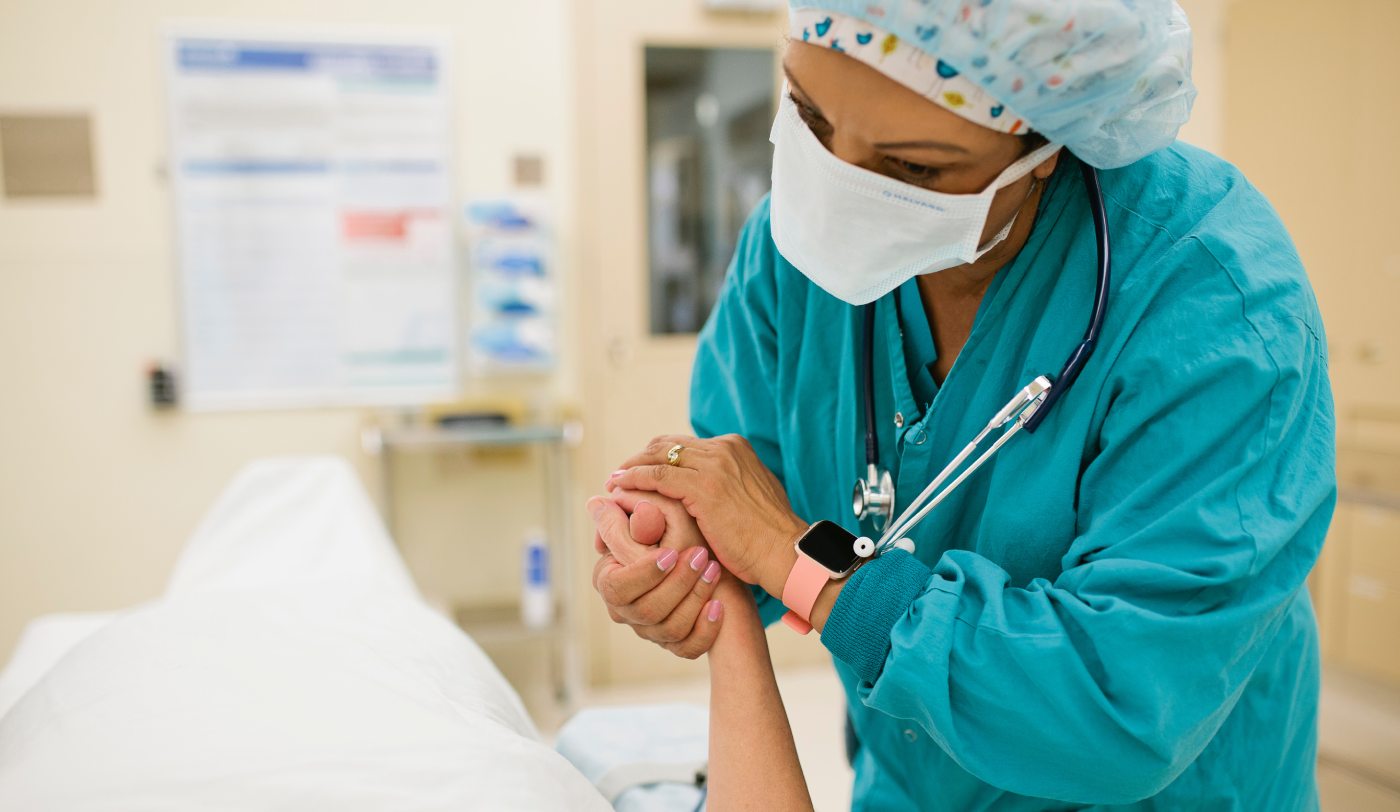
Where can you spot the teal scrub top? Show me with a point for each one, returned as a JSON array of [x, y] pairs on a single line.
[[1112, 613]]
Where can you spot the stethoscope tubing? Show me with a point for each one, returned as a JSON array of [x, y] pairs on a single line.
[[1029, 415]]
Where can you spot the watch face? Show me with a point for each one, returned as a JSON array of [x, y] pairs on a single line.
[[830, 545]]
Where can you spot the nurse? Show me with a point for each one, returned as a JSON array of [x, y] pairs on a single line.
[[1111, 613]]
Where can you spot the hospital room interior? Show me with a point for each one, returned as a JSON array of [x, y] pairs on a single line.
[[326, 324]]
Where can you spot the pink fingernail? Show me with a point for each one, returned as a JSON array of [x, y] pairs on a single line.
[[615, 474], [716, 611], [667, 560], [711, 573], [595, 507], [698, 560]]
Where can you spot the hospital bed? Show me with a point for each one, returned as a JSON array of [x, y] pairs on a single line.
[[292, 664]]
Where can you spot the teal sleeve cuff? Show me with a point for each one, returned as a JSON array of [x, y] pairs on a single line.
[[878, 594]]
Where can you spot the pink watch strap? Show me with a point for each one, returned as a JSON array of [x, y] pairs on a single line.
[[804, 584]]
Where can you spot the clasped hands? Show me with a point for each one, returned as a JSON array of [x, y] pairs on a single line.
[[677, 542]]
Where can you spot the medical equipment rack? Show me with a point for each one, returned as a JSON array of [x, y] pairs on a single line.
[[499, 624]]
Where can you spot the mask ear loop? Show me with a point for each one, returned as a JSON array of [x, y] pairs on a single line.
[[1039, 156], [1006, 229]]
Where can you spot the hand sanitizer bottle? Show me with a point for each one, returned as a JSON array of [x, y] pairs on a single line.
[[536, 596]]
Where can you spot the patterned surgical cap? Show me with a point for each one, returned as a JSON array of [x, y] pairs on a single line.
[[1109, 79]]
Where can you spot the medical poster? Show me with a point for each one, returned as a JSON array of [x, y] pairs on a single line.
[[314, 219]]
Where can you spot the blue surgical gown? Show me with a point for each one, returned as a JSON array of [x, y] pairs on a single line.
[[1112, 613]]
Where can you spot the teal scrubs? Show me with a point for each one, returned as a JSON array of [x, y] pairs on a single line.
[[1112, 613]]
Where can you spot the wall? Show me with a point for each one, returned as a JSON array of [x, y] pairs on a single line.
[[1318, 138], [97, 493], [1206, 129], [1320, 143]]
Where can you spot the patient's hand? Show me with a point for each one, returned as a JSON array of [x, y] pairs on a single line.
[[647, 525], [655, 573]]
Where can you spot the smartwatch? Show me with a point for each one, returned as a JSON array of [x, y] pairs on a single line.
[[826, 552]]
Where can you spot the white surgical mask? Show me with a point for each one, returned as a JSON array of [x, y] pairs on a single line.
[[858, 234]]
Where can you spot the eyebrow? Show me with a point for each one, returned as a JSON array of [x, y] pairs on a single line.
[[921, 145], [885, 145]]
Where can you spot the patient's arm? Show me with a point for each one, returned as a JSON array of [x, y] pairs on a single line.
[[753, 760]]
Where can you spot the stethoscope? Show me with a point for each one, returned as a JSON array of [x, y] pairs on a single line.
[[873, 497]]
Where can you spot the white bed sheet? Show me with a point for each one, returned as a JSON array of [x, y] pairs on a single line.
[[291, 665]]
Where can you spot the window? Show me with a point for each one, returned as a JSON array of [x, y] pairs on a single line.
[[708, 114]]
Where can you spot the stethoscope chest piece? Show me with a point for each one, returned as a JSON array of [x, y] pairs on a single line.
[[873, 497]]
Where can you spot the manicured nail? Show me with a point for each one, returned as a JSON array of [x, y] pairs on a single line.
[[697, 561], [716, 611], [711, 573], [667, 560], [595, 508], [615, 474]]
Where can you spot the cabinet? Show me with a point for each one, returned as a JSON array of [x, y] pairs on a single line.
[[1357, 582]]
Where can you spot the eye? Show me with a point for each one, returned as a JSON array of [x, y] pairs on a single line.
[[809, 116], [916, 173]]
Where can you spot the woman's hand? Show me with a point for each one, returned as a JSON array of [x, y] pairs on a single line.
[[655, 575], [738, 504]]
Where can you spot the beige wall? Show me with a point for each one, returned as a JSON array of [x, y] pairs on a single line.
[[1316, 133], [1206, 129], [97, 493]]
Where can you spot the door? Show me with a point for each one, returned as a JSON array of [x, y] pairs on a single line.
[[674, 107]]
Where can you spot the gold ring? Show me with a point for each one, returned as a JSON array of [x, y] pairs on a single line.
[[673, 456]]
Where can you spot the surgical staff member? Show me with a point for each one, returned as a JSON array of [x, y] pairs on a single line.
[[1112, 612]]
